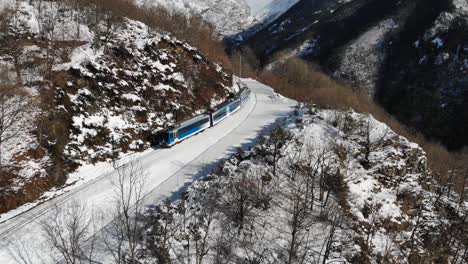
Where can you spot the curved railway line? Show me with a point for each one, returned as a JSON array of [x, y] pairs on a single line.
[[169, 168]]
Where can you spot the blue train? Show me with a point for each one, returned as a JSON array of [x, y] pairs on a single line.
[[197, 124]]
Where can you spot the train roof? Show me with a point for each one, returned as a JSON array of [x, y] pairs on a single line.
[[227, 102], [223, 104], [243, 90], [191, 120], [186, 122], [201, 116]]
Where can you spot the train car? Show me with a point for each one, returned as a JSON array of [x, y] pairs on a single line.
[[183, 130], [243, 95], [192, 126], [224, 110]]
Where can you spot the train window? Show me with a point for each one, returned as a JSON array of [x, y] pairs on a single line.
[[235, 105], [192, 126], [166, 136], [161, 137], [219, 115]]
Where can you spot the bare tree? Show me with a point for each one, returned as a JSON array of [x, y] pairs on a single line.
[[464, 187], [195, 224], [200, 230], [372, 140], [242, 196], [298, 210], [271, 148], [333, 179], [123, 234], [5, 19], [200, 222], [70, 232], [389, 247], [371, 211], [163, 228], [22, 251], [419, 222], [336, 219], [459, 240], [14, 104], [310, 169]]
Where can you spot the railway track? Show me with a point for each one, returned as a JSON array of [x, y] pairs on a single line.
[[47, 206]]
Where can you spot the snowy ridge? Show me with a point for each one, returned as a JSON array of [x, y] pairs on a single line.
[[241, 14], [266, 11]]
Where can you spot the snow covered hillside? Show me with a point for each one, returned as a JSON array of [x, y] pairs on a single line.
[[143, 83], [229, 16], [96, 86], [325, 187]]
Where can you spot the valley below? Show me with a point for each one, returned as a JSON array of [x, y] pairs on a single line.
[[410, 56]]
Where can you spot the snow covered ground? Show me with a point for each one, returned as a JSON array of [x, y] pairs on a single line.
[[168, 169], [5, 4], [261, 205], [310, 184]]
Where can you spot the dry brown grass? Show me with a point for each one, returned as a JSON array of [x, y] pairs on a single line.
[[29, 191]]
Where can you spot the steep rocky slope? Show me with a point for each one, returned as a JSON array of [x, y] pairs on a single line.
[[409, 55], [95, 89], [431, 91], [328, 187], [230, 17]]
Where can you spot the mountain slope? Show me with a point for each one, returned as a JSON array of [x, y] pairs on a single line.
[[326, 187], [411, 56], [230, 17], [95, 90]]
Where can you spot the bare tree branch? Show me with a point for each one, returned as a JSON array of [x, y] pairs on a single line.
[[68, 230]]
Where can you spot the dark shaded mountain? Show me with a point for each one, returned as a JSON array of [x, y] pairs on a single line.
[[410, 55]]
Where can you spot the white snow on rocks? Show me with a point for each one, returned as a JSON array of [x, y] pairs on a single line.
[[337, 139], [80, 56], [26, 21], [267, 10], [6, 4], [122, 115], [461, 6], [241, 14], [438, 42]]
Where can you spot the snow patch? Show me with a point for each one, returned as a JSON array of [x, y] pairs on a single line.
[[438, 42]]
